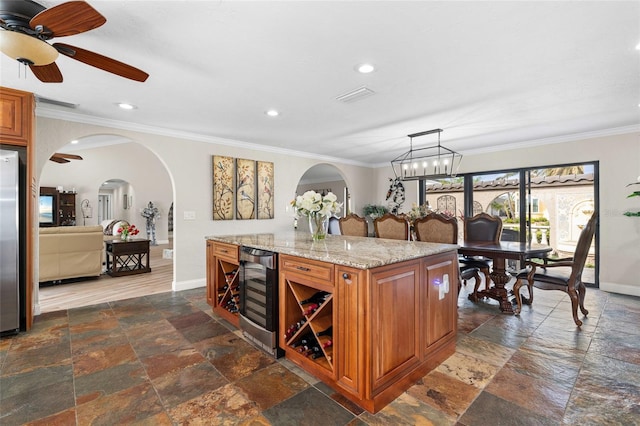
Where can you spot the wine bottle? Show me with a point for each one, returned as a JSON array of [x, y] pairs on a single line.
[[311, 309], [304, 340], [293, 328], [327, 344], [317, 297], [326, 332]]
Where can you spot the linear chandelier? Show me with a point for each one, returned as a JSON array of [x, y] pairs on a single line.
[[431, 162]]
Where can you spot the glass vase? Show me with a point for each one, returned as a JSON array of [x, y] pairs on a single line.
[[318, 225], [124, 237]]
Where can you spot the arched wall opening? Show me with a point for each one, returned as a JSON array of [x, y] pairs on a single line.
[[141, 174]]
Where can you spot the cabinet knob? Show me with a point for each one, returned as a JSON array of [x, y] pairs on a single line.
[[345, 276]]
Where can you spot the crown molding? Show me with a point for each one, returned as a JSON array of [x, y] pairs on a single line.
[[123, 125], [546, 141]]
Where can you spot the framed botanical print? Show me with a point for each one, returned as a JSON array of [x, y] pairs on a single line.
[[223, 189], [265, 187], [245, 189]]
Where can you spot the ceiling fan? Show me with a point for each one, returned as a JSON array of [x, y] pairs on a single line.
[[27, 25], [61, 158]]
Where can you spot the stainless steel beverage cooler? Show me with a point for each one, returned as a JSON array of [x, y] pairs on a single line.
[[259, 298]]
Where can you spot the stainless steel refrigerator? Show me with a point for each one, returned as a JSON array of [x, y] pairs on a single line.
[[11, 264]]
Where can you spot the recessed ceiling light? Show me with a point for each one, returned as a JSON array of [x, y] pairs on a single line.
[[75, 141], [638, 46], [126, 106], [365, 68], [272, 113]]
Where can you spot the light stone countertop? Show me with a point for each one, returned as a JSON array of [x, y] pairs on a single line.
[[357, 252]]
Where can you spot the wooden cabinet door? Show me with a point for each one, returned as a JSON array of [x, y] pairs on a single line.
[[394, 322], [16, 111], [440, 282], [349, 329]]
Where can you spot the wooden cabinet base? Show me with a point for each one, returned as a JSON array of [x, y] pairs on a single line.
[[391, 325]]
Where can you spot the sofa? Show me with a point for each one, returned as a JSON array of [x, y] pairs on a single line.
[[70, 252]]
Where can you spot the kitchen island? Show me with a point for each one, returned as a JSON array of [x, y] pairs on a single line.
[[382, 312]]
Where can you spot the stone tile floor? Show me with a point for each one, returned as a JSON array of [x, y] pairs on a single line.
[[166, 359]]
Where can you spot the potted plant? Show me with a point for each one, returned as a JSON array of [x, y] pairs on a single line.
[[374, 210]]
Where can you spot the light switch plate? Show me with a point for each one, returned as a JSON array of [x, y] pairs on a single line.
[[189, 215]]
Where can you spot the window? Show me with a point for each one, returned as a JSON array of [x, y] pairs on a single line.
[[540, 205]]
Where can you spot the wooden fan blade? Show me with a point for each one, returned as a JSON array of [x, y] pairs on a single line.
[[67, 156], [102, 62], [47, 73], [69, 18], [58, 159]]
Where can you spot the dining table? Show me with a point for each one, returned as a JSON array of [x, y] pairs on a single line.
[[499, 253]]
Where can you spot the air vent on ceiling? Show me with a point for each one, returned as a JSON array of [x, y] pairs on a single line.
[[43, 100], [355, 95]]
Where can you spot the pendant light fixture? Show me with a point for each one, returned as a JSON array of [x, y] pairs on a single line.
[[431, 162]]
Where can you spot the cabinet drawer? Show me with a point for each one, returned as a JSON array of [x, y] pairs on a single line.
[[228, 252], [319, 271]]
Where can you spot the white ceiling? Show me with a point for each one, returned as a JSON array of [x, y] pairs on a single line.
[[491, 74]]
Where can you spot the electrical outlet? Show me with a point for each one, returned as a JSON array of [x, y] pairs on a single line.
[[189, 215]]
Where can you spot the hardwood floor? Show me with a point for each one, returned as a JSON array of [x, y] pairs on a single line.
[[106, 288]]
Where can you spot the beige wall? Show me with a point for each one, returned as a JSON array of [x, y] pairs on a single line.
[[147, 178], [619, 158], [187, 160]]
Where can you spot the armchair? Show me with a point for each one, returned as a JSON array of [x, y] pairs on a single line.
[[562, 274]]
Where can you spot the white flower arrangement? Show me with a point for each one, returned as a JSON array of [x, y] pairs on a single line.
[[313, 204]]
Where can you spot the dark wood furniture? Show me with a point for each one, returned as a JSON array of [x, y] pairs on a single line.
[[481, 228], [568, 278], [354, 225], [64, 206], [499, 252], [392, 227], [223, 261], [127, 257]]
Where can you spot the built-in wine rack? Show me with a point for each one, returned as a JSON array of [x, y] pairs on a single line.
[[223, 280], [309, 327], [228, 296]]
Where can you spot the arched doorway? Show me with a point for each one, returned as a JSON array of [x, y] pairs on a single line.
[[324, 178], [134, 176]]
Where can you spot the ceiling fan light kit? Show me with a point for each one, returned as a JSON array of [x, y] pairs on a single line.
[[27, 25], [431, 162], [27, 49]]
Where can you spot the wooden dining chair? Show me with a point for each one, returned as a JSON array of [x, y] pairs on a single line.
[[392, 227], [564, 274], [438, 228], [481, 228], [354, 225]]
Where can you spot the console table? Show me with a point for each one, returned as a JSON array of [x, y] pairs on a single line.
[[127, 257]]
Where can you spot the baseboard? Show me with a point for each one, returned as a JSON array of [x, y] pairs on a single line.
[[160, 242], [188, 285], [630, 290]]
